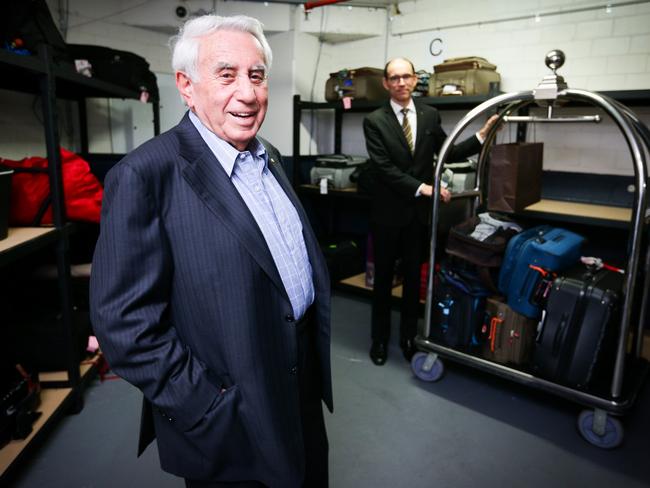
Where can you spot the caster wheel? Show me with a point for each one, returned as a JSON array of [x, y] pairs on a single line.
[[426, 370], [613, 433]]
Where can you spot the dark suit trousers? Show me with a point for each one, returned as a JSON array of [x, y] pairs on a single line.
[[390, 243], [312, 421]]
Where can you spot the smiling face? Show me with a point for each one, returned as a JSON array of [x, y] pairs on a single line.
[[230, 95]]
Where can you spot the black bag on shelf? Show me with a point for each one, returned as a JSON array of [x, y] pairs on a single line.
[[119, 67], [39, 342], [20, 395], [343, 259], [26, 24]]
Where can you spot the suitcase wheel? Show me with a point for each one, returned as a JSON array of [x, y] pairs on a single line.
[[606, 436], [427, 367]]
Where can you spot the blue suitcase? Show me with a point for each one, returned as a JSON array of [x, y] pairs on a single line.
[[546, 248]]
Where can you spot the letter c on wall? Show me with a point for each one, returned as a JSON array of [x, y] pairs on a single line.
[[435, 47]]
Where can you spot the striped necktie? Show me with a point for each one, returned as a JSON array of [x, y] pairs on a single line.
[[406, 127]]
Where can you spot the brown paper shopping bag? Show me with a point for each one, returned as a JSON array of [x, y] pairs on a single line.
[[515, 176]]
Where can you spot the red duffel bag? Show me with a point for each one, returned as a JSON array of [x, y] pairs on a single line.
[[30, 190]]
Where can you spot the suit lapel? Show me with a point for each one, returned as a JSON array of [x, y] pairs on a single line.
[[213, 186]]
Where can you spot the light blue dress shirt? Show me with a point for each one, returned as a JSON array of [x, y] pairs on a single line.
[[274, 213]]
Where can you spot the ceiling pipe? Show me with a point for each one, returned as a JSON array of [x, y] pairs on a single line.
[[320, 3]]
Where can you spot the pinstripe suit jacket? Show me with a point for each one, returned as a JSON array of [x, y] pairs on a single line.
[[186, 301]]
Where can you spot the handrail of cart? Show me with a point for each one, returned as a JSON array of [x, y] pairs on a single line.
[[635, 134], [632, 137]]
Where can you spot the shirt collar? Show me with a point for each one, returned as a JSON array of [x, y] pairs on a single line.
[[397, 108], [225, 153]]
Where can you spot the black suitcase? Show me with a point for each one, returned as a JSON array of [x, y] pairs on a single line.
[[575, 332], [120, 67]]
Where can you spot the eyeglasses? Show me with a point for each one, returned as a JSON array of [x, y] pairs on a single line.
[[395, 79], [257, 77]]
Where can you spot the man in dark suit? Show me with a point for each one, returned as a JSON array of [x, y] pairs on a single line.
[[402, 138], [208, 291]]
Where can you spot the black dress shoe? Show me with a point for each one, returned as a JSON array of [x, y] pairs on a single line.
[[379, 352], [408, 348]]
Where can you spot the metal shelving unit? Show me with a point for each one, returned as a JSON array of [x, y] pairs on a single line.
[[41, 76]]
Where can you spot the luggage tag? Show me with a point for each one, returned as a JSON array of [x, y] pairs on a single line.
[[323, 186], [544, 285]]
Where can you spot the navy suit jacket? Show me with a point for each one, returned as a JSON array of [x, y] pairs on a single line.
[[186, 300], [397, 172]]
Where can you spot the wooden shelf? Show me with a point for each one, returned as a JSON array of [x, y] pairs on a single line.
[[357, 283], [22, 241], [618, 214], [585, 213], [19, 236], [53, 403]]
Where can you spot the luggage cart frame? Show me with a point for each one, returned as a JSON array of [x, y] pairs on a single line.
[[596, 427]]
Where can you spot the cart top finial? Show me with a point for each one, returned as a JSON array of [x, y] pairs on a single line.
[[555, 59]]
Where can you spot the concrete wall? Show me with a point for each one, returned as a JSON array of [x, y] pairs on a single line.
[[606, 50]]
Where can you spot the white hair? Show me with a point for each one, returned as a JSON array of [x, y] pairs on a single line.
[[185, 45]]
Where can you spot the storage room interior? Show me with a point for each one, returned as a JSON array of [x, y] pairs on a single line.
[[480, 424]]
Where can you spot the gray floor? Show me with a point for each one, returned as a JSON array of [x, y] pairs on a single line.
[[388, 430]]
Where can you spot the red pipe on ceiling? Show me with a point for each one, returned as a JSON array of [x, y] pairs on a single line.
[[320, 3]]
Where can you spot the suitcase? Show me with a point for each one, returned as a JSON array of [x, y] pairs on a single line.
[[458, 309], [530, 259], [458, 177], [337, 169], [360, 84], [119, 67], [576, 328], [463, 76], [508, 335]]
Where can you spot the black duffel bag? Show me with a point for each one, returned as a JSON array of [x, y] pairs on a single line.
[[27, 25], [119, 67]]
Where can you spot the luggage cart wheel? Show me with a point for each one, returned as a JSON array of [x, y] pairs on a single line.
[[600, 429], [427, 366]]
